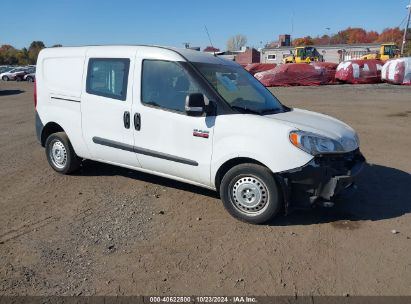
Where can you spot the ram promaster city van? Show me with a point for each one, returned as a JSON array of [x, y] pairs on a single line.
[[191, 117]]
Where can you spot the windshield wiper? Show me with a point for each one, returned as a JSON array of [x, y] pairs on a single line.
[[271, 111], [245, 110]]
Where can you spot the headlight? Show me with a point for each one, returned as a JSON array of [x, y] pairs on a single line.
[[315, 144]]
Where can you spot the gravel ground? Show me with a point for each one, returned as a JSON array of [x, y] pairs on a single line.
[[112, 231]]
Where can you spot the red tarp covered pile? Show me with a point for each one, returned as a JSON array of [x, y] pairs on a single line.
[[397, 71], [294, 74], [259, 67], [359, 71], [329, 71]]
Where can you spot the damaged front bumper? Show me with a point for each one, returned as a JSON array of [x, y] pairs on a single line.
[[323, 179]]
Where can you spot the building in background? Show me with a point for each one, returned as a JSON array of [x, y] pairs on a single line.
[[284, 40], [249, 56], [331, 53]]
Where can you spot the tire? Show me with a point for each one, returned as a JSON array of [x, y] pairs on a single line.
[[60, 153], [250, 193], [29, 79], [5, 78]]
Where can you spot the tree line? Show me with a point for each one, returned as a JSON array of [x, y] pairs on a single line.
[[356, 35], [9, 55]]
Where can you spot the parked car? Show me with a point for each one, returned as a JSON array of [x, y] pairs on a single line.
[[11, 74], [23, 74], [20, 75], [5, 68], [30, 77], [191, 117]]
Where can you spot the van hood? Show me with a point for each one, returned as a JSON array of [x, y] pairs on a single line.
[[320, 124]]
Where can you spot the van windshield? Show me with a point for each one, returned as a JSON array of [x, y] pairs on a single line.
[[240, 89]]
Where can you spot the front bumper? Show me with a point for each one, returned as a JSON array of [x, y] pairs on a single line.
[[323, 179]]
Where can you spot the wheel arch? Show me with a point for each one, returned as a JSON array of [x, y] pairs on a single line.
[[227, 165], [50, 128]]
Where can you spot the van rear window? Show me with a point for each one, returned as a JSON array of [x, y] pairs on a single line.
[[108, 77]]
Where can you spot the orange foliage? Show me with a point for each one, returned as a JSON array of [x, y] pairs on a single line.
[[303, 41], [391, 35], [372, 36], [353, 36]]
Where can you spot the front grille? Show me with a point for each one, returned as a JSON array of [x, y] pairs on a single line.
[[341, 163]]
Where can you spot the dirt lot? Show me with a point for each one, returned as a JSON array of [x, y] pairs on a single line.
[[111, 231]]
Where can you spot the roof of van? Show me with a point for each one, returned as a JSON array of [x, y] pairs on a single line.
[[187, 54]]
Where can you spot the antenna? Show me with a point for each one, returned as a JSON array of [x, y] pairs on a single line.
[[209, 38]]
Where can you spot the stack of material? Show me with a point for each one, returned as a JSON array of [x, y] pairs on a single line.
[[259, 67], [397, 71], [359, 71], [293, 74], [330, 69]]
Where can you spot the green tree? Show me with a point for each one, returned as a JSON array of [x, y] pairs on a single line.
[[34, 50], [23, 57]]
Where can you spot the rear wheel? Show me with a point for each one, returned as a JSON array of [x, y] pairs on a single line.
[[29, 79], [60, 153], [250, 193]]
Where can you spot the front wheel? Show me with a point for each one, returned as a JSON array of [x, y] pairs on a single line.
[[250, 193], [5, 78], [60, 153]]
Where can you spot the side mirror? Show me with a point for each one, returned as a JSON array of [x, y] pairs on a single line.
[[195, 104]]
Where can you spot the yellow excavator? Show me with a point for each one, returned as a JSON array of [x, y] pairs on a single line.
[[304, 54], [387, 51]]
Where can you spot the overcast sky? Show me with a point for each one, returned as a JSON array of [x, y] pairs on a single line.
[[162, 22]]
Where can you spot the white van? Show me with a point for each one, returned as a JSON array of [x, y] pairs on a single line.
[[191, 117]]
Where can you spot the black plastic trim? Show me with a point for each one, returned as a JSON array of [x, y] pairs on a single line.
[[39, 127], [323, 178], [139, 150], [66, 99]]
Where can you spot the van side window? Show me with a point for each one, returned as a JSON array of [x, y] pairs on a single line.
[[108, 77], [166, 84]]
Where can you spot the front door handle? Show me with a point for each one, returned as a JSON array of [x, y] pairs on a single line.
[[137, 121], [126, 119]]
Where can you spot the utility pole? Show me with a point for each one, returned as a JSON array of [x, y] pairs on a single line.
[[404, 40], [329, 34]]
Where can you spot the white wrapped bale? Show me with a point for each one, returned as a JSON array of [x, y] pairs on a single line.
[[397, 71]]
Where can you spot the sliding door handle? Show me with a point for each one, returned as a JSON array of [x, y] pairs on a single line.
[[126, 119], [137, 121]]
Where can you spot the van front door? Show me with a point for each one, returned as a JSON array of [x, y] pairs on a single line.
[[106, 108], [167, 141]]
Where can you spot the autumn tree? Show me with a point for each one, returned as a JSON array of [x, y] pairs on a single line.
[[236, 42], [391, 35], [355, 35], [8, 55], [323, 40], [372, 36], [303, 41]]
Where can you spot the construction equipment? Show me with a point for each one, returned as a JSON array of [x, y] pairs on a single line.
[[387, 51], [304, 54]]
